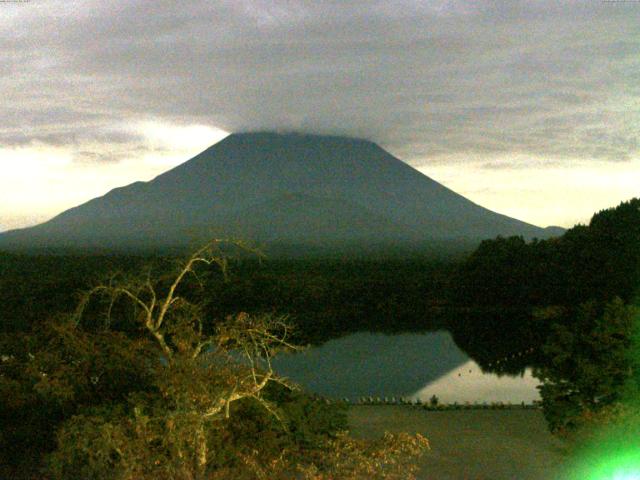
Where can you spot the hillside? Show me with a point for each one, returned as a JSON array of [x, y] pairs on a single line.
[[276, 188]]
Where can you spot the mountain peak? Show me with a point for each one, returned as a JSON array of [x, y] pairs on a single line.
[[295, 137], [292, 188]]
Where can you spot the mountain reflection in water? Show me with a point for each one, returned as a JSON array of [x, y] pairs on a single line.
[[405, 365]]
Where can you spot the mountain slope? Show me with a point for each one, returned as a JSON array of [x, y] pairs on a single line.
[[271, 187]]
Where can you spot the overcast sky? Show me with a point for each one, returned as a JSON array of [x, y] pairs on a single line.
[[530, 108]]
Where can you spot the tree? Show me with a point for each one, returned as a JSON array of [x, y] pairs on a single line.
[[192, 376], [143, 385], [507, 283], [588, 365]]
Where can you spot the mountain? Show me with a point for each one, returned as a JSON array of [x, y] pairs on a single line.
[[277, 189]]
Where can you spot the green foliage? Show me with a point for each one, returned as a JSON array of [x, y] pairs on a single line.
[[509, 293], [607, 442], [588, 364], [564, 300], [595, 262], [55, 372]]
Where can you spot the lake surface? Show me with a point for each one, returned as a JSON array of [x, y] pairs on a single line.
[[406, 365]]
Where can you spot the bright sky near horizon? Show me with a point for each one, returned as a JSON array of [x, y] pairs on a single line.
[[531, 109]]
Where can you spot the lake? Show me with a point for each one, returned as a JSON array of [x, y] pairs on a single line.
[[414, 366]]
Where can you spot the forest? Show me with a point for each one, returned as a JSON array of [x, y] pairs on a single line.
[[568, 301]]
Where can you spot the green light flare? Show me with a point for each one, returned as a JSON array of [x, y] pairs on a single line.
[[613, 453], [621, 467], [626, 476]]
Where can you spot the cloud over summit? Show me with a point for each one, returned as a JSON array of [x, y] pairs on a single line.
[[434, 81]]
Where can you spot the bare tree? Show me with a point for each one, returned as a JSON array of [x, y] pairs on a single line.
[[194, 373], [200, 373]]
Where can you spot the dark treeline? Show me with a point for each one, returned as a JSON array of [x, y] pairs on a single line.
[[324, 298], [35, 287], [509, 292], [598, 261]]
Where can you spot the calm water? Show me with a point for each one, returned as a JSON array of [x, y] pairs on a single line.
[[407, 365]]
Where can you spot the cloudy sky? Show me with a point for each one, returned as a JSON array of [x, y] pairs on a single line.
[[530, 108]]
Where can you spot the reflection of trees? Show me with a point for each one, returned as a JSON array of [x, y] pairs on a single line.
[[488, 337]]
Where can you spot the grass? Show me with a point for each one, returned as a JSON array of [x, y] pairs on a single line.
[[470, 444]]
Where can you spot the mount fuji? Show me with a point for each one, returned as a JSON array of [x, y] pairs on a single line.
[[276, 189]]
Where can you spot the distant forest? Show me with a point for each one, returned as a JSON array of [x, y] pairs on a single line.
[[500, 299], [323, 297]]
